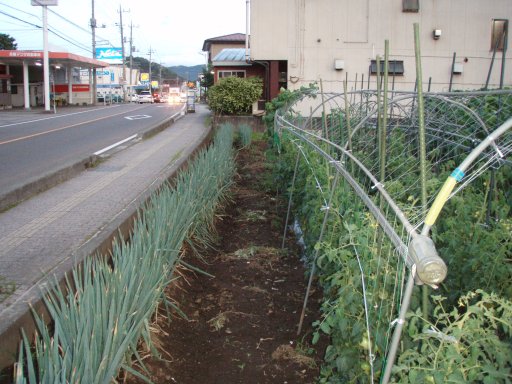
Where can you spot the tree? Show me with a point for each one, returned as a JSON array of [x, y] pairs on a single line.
[[207, 77], [143, 65], [234, 96], [7, 42]]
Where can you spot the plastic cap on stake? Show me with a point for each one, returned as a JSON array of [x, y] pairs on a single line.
[[430, 268]]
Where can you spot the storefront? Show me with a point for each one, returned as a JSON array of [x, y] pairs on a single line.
[[21, 78]]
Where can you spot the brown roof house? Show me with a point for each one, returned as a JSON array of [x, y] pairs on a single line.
[[214, 45], [229, 57]]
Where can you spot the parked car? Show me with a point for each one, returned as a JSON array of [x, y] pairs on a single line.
[[107, 98], [100, 97], [132, 97], [145, 97], [117, 98]]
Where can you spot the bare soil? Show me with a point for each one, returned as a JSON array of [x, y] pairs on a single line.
[[241, 324]]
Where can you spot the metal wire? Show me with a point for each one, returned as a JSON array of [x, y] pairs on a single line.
[[455, 124]]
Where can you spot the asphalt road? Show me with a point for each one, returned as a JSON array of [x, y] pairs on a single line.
[[32, 145]]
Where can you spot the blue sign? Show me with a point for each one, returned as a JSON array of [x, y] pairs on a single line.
[[110, 55]]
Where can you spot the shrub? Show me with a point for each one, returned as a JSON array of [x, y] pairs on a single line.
[[234, 96]]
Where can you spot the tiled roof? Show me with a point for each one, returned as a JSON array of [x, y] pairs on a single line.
[[230, 57], [226, 39], [230, 54]]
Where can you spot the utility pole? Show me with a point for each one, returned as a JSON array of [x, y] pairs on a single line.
[[93, 28], [122, 49], [131, 53], [46, 62], [150, 52], [93, 32]]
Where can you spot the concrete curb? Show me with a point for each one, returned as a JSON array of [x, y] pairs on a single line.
[[100, 243], [24, 192]]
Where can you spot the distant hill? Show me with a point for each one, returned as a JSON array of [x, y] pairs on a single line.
[[190, 73]]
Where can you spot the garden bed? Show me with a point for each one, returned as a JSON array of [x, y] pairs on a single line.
[[242, 323]]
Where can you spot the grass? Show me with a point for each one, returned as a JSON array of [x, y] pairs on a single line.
[[297, 355], [245, 133], [252, 216], [219, 321], [6, 289]]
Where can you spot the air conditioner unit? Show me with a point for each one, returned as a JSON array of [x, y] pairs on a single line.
[[339, 64], [458, 68]]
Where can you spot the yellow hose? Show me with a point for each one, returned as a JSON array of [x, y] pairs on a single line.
[[440, 200]]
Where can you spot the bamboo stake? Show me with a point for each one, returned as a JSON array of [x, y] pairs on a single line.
[[326, 128], [390, 358], [324, 117], [379, 108], [384, 118], [451, 73], [317, 251], [290, 198], [492, 64], [504, 53], [347, 117], [383, 121], [361, 94], [422, 147], [406, 299]]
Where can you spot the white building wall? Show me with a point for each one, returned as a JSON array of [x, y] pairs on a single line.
[[312, 34]]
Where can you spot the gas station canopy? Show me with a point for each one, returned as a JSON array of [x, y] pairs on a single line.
[[14, 57]]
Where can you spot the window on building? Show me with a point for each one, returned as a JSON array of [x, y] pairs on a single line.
[[499, 31], [410, 5], [14, 89], [224, 74], [395, 67]]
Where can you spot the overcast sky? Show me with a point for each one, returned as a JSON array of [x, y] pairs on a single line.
[[175, 30]]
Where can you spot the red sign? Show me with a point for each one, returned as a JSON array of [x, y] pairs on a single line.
[[63, 88]]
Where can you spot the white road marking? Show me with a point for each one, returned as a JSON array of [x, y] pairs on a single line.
[[137, 117], [114, 145], [54, 117]]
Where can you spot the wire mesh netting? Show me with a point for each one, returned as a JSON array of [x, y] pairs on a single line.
[[360, 170]]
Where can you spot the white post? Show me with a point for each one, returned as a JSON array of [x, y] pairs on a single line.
[[26, 89], [91, 87], [69, 75], [46, 63], [8, 84]]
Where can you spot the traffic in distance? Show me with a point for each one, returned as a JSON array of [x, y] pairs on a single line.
[[166, 94]]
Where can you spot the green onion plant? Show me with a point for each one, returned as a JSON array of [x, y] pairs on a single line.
[[103, 310]]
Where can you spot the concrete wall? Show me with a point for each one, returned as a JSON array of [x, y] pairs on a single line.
[[255, 122], [311, 35]]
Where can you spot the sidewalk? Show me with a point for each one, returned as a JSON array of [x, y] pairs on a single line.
[[48, 234]]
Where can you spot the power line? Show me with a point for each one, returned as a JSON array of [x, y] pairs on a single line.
[[88, 32], [23, 21], [75, 43], [52, 29], [70, 22], [19, 10]]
